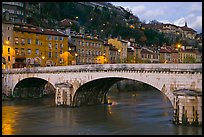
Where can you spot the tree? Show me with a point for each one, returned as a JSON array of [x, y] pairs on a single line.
[[189, 59]]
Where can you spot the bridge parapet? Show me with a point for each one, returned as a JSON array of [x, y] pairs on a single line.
[[180, 68]]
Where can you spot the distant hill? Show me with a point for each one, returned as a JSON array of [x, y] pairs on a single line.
[[100, 18]]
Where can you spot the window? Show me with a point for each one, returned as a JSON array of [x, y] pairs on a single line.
[[37, 42], [61, 38], [37, 51], [50, 45], [61, 60], [56, 46], [23, 41], [49, 54], [56, 38], [9, 58], [61, 45], [49, 37], [8, 50], [149, 56], [61, 51], [16, 51], [29, 40], [29, 51], [56, 55], [22, 51], [8, 28], [82, 51], [8, 38]]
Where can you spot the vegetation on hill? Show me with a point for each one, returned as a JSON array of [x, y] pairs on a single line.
[[104, 21]]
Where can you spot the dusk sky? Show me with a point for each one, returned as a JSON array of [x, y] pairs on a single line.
[[167, 12]]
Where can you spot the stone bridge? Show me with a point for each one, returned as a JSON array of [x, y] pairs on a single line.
[[88, 84]]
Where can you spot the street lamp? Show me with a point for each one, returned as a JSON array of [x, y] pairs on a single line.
[[179, 46], [69, 50], [76, 57], [119, 55], [7, 42], [43, 57]]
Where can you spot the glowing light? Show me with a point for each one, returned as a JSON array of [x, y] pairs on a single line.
[[7, 42], [178, 46]]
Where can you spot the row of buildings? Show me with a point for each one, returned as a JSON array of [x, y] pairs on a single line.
[[25, 45]]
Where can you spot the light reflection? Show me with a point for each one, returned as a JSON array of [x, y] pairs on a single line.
[[8, 119]]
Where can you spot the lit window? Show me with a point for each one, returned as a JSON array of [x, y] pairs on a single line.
[[61, 45], [29, 51], [37, 51], [50, 45], [23, 41]]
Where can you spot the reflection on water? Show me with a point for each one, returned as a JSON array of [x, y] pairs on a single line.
[[9, 119], [133, 113]]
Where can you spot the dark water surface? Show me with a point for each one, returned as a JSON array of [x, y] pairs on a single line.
[[131, 113]]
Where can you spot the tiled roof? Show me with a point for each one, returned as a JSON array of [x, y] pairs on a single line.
[[144, 51], [39, 31], [164, 51], [187, 29]]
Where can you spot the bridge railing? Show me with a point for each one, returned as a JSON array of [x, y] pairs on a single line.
[[111, 67]]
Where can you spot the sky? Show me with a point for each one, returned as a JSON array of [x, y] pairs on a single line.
[[176, 13]]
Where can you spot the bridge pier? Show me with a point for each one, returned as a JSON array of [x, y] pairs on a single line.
[[64, 94], [187, 107]]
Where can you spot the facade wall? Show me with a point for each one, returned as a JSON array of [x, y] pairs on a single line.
[[39, 48], [90, 51], [122, 48], [7, 45]]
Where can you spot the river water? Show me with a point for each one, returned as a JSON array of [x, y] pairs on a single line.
[[131, 113]]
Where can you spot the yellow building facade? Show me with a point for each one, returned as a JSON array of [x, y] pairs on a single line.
[[8, 53], [89, 49], [122, 46], [40, 47], [187, 56]]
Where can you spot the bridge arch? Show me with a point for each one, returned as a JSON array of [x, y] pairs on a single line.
[[32, 87], [95, 91]]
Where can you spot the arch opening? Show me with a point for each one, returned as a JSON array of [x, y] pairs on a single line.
[[96, 91], [33, 88]]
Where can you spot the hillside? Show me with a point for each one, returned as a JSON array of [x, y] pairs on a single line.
[[100, 18]]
